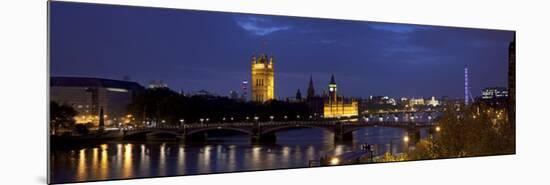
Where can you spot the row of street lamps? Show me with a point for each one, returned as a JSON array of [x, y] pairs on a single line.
[[256, 118]]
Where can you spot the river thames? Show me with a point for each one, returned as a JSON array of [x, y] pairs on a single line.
[[135, 159]]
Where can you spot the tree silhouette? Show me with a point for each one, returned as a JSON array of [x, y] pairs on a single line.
[[61, 116], [164, 104], [475, 130]]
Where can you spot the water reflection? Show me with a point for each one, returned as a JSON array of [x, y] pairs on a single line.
[[294, 148], [162, 160], [82, 174], [145, 162], [181, 159], [231, 160], [95, 156], [127, 165], [104, 164]]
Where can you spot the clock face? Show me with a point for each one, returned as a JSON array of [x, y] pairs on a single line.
[[331, 89]]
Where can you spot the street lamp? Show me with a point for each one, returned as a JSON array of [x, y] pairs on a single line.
[[182, 121], [202, 120], [286, 117], [334, 161], [406, 140], [271, 117], [437, 129], [256, 118]]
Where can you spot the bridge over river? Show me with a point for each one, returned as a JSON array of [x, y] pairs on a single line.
[[265, 131]]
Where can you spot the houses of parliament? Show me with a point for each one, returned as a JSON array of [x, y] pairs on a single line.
[[330, 106], [263, 78]]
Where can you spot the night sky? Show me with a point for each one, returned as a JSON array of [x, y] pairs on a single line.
[[194, 50]]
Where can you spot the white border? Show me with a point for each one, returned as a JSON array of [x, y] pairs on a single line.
[[23, 87]]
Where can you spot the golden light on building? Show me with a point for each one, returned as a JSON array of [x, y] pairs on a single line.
[[85, 119], [336, 107], [340, 109], [263, 78]]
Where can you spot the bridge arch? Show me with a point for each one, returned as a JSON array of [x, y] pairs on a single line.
[[165, 132], [151, 132], [241, 130], [138, 133], [289, 127]]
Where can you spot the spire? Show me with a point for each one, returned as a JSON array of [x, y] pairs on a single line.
[[298, 95], [332, 81], [101, 120], [271, 60], [264, 43], [253, 59], [310, 88]]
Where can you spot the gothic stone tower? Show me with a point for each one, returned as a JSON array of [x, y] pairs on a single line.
[[263, 78], [310, 88], [332, 88], [336, 107]]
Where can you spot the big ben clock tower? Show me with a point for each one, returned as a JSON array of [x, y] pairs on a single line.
[[332, 89]]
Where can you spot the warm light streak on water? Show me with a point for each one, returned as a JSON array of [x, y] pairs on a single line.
[[127, 167], [124, 159]]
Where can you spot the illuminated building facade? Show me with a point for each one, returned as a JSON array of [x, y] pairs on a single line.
[[263, 78], [494, 93], [433, 102], [244, 90], [416, 101], [88, 95], [496, 97], [336, 106]]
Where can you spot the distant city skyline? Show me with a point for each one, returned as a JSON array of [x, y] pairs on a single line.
[[196, 50]]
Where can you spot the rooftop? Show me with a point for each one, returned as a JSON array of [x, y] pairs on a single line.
[[64, 81]]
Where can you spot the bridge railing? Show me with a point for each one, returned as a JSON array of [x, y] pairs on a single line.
[[283, 123]]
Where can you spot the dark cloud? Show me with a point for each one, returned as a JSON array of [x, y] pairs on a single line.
[[259, 25]]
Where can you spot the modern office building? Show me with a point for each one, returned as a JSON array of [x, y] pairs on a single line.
[[495, 97], [512, 81], [88, 95], [494, 93]]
